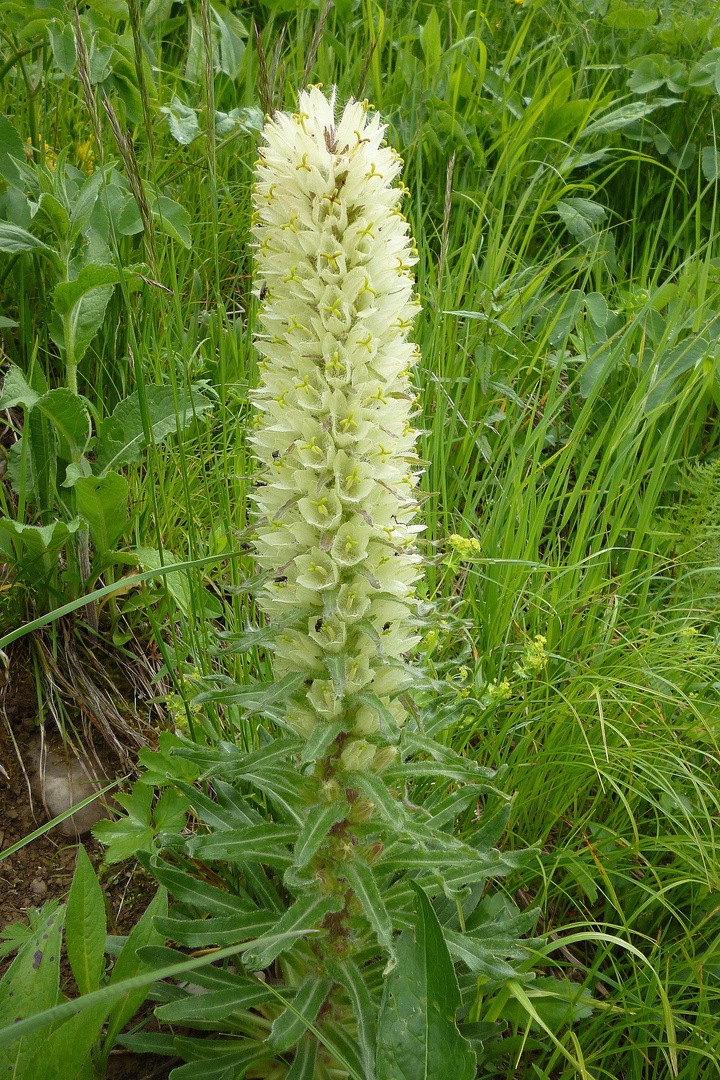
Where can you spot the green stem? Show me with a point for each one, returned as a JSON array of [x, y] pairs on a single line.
[[70, 362]]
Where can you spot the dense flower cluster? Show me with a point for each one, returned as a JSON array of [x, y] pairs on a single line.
[[334, 433]]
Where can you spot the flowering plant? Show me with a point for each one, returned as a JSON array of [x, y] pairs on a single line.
[[361, 899]]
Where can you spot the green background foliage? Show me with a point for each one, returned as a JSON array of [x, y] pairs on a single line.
[[562, 169]]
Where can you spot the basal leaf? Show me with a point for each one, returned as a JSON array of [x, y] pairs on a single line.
[[128, 965], [418, 1037], [69, 417], [30, 986], [85, 925]]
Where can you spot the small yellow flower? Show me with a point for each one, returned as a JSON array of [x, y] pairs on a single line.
[[86, 155]]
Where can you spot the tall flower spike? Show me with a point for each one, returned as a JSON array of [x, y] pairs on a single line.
[[337, 498]]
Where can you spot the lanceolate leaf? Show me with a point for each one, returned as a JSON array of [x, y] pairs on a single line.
[[14, 239], [291, 1024], [306, 913], [128, 965], [303, 1066], [85, 925], [217, 1005], [206, 933], [362, 879], [418, 1037], [349, 976], [190, 890], [259, 843], [315, 829]]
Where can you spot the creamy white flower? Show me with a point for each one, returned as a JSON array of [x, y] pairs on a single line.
[[334, 427]]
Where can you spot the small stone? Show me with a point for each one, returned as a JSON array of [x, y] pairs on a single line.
[[38, 887]]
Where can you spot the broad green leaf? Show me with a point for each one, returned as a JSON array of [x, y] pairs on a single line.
[[103, 502], [11, 146], [121, 437], [69, 417], [84, 320], [631, 18], [648, 75], [431, 42], [248, 119], [710, 158], [231, 47], [63, 1052], [597, 308], [290, 1025], [100, 62], [170, 811], [173, 219], [14, 239], [85, 925], [53, 214], [318, 822], [42, 440], [82, 208], [30, 986], [123, 838], [36, 546], [62, 42], [129, 965], [68, 293], [259, 843], [160, 768], [17, 391], [182, 121], [110, 9], [418, 1037]]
